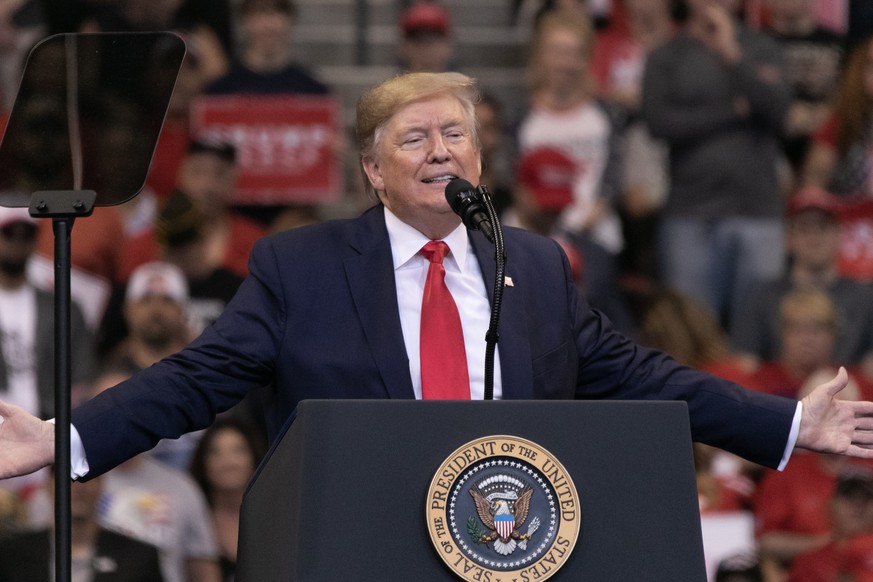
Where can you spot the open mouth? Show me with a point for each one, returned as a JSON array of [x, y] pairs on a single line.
[[444, 179]]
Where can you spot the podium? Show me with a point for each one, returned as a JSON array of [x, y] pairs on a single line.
[[343, 494]]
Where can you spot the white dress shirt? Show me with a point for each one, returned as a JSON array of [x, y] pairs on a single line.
[[465, 282]]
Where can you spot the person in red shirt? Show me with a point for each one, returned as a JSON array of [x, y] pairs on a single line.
[[848, 554], [808, 322], [208, 177], [792, 507], [690, 332]]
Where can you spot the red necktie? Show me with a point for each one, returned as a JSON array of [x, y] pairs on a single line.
[[444, 373]]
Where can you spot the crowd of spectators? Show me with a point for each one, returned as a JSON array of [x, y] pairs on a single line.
[[707, 165]]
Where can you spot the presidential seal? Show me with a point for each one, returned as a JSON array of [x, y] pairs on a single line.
[[503, 509]]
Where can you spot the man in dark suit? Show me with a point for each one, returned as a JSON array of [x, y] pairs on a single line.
[[98, 554], [333, 311]]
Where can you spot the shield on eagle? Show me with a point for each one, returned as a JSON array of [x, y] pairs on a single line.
[[505, 525]]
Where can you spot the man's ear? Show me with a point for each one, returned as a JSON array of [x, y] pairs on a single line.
[[374, 175]]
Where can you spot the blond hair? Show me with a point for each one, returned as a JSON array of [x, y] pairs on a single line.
[[808, 303], [379, 104], [684, 328]]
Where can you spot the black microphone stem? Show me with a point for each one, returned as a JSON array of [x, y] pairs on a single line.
[[497, 297]]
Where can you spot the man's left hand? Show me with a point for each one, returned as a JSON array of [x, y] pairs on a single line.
[[831, 425]]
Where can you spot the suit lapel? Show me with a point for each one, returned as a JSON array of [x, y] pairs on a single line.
[[513, 344], [370, 276]]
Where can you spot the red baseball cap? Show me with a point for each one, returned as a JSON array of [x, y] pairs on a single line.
[[813, 198], [549, 175], [425, 17]]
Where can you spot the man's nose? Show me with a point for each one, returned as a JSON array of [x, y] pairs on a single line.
[[438, 150]]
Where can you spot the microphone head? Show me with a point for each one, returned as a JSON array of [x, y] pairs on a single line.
[[458, 194], [466, 201]]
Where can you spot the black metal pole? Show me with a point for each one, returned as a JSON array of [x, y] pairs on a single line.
[[62, 207], [63, 560], [492, 336]]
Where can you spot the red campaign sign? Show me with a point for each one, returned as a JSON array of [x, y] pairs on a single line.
[[284, 144], [856, 240]]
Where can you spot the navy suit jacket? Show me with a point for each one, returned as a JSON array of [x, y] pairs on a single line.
[[318, 318]]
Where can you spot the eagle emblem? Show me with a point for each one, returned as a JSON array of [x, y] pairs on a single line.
[[502, 504]]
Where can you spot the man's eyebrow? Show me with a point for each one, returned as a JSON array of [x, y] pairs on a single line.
[[416, 126], [453, 122]]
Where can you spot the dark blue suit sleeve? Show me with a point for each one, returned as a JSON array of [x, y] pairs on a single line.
[[185, 391], [723, 414]]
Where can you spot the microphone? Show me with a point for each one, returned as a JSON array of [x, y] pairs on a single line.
[[477, 212], [466, 201]]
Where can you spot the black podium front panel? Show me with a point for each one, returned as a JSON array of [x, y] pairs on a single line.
[[343, 495]]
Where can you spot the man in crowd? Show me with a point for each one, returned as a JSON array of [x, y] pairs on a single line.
[[207, 176], [426, 42], [26, 323], [846, 555], [716, 94], [155, 312], [812, 242], [336, 311], [812, 65]]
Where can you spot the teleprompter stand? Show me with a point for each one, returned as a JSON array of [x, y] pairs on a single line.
[[81, 133]]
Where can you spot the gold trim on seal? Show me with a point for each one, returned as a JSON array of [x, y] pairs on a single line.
[[471, 562]]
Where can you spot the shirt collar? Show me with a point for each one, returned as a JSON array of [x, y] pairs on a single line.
[[406, 241]]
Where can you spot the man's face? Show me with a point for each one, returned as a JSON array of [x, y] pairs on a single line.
[[563, 58], [156, 320], [535, 217], [852, 515], [813, 239], [421, 148], [426, 51], [84, 497], [208, 180], [807, 340], [17, 242], [267, 30]]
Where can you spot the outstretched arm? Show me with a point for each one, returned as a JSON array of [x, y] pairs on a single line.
[[26, 442], [831, 425]]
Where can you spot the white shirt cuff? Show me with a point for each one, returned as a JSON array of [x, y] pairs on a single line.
[[792, 436], [78, 463]]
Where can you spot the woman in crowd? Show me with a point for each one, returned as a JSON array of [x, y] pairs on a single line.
[[563, 114], [222, 465], [840, 157]]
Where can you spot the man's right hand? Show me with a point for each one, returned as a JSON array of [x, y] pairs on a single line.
[[26, 442]]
